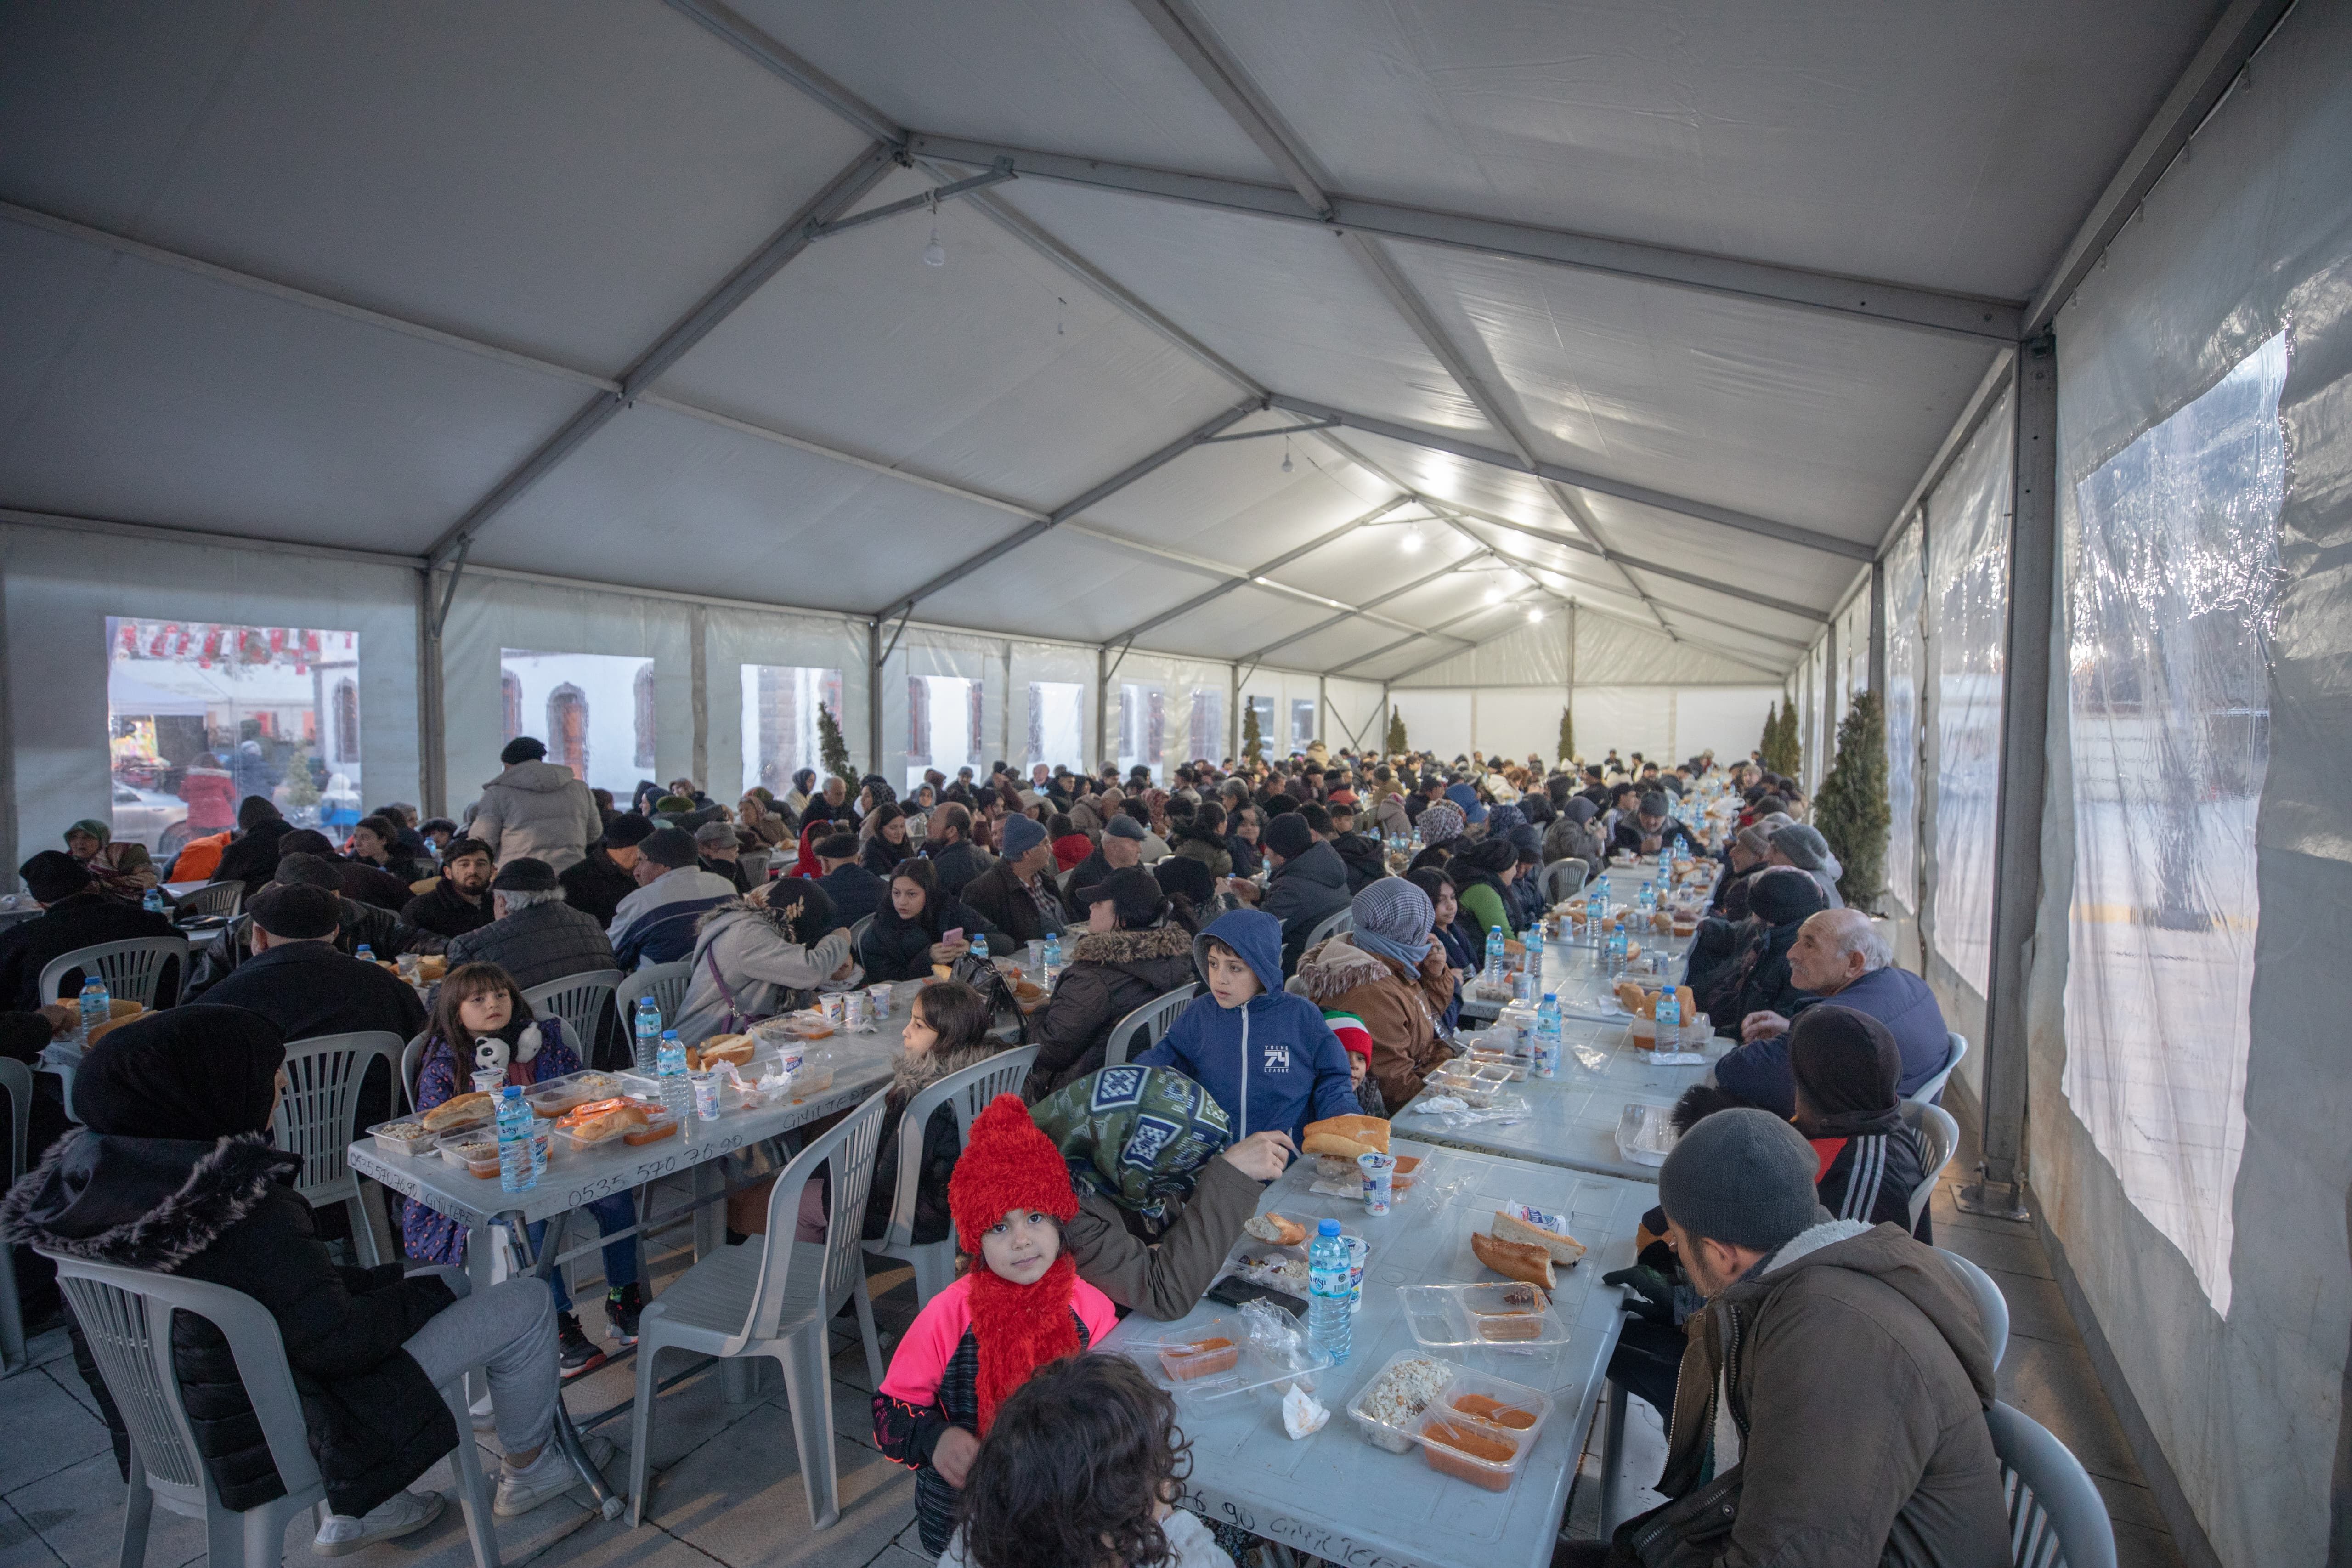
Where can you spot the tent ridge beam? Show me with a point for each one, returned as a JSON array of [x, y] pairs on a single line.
[[1241, 577], [791, 67], [1365, 611], [1437, 441], [1619, 558], [839, 195], [1893, 304]]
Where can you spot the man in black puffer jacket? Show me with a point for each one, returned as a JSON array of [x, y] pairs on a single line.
[[173, 1170]]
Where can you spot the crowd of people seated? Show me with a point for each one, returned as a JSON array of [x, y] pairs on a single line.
[[1219, 880]]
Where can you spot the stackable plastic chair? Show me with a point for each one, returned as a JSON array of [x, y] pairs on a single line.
[[1562, 879], [212, 899], [1931, 1091], [132, 969], [1141, 1029], [412, 1068], [1940, 1138], [775, 1297], [1330, 925], [314, 1120], [1991, 1305], [579, 1001], [2056, 1517], [667, 984], [968, 1092], [125, 1315], [17, 1079], [858, 930]]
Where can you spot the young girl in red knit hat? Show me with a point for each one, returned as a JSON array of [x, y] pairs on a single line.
[[1019, 1305]]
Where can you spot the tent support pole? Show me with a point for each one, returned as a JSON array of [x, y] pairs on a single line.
[[1878, 628], [1102, 705], [698, 683], [1999, 1187], [1233, 714], [873, 697]]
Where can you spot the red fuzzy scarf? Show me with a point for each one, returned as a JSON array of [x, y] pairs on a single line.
[[1020, 1328]]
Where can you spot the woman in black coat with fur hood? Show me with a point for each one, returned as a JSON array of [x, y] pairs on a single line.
[[173, 1171]]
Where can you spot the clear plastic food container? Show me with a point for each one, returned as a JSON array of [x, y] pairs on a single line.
[[1479, 1428], [406, 1136], [1212, 1365], [1645, 1133], [557, 1095], [1513, 1316]]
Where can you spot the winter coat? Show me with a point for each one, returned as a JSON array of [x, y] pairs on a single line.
[[1162, 1276], [227, 1214], [539, 810], [371, 884], [538, 943], [958, 863], [1858, 1375], [442, 1074], [1486, 902], [881, 857], [1366, 861], [1247, 856], [1273, 1063], [1758, 1071], [251, 856], [896, 949], [384, 933], [1627, 838], [1001, 900], [444, 911], [1400, 1008], [1304, 891], [84, 920], [1870, 1176], [309, 989], [1569, 839], [597, 886], [855, 891], [1110, 973], [1091, 870], [753, 951], [655, 924], [211, 797], [1209, 848], [942, 1144]]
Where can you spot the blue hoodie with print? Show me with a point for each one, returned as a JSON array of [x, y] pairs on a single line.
[[1273, 1063]]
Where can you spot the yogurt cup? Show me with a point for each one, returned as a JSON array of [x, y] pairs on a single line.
[[1379, 1171]]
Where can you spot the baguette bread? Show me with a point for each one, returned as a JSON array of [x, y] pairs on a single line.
[[456, 1110], [1519, 1223], [1348, 1136], [736, 1049], [1272, 1227], [1522, 1260]]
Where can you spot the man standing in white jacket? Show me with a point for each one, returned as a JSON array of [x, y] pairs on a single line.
[[537, 808]]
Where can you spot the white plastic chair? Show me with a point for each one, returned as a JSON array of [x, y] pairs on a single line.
[[667, 984], [1929, 1092], [755, 865], [17, 1080], [970, 1092], [776, 1297], [126, 1315], [1940, 1138], [212, 899], [412, 1068], [1141, 1029], [2056, 1517], [1991, 1305], [858, 930], [1333, 924], [579, 1001], [1562, 879], [314, 1120], [132, 969]]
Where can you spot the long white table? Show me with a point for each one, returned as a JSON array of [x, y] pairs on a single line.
[[1335, 1495]]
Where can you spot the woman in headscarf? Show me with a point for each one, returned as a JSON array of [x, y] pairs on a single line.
[[1746, 855], [1201, 836], [796, 799], [173, 1169], [1441, 824], [1161, 1197], [1571, 836], [1245, 823], [1391, 976], [125, 870], [1847, 1066], [761, 954], [1758, 979], [1483, 872], [761, 820], [1138, 946], [911, 927], [1456, 936], [885, 839]]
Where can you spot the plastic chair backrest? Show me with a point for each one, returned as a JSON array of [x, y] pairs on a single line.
[[1930, 1091], [1991, 1305], [665, 983], [125, 1314], [411, 1066], [1563, 879], [755, 865], [2056, 1517], [323, 1074], [1141, 1029], [1333, 924], [849, 1146], [1939, 1140], [969, 1091], [132, 970], [579, 1001], [858, 930], [17, 1080], [212, 899]]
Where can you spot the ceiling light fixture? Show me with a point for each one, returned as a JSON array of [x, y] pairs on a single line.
[[1413, 540], [1286, 466], [1494, 596], [935, 253], [1533, 615]]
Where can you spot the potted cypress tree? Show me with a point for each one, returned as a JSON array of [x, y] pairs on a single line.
[[1852, 808]]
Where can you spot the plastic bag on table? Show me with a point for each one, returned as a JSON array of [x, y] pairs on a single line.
[[1451, 1112]]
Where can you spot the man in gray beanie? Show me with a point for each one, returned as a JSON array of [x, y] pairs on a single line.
[[1805, 848], [1839, 1371], [1016, 894], [1652, 828]]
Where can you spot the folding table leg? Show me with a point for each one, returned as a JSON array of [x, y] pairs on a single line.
[[1613, 1454]]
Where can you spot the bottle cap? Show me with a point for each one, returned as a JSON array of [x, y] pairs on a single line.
[[1552, 995], [669, 1033], [1328, 1227], [513, 1091]]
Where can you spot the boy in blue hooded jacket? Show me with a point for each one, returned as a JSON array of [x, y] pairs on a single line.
[[1265, 1055]]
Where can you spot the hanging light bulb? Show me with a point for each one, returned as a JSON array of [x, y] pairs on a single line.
[[1286, 455], [1533, 615], [1412, 541], [935, 253], [1493, 595]]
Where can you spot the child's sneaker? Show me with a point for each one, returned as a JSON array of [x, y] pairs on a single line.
[[575, 1352], [621, 1310]]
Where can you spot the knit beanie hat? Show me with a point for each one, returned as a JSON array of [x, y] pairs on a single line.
[[523, 749], [627, 830], [1020, 834], [1742, 1176], [1804, 847], [1134, 893], [670, 847], [53, 875], [1183, 874], [1288, 835], [1441, 822], [1006, 1165]]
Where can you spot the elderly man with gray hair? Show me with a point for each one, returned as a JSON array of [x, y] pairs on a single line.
[[538, 936], [1838, 953]]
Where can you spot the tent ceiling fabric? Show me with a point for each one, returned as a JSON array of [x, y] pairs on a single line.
[[568, 182]]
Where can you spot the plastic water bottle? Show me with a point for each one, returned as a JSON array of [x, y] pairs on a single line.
[[96, 1005], [1328, 1322], [1617, 945], [1670, 1019], [1666, 860], [1601, 892], [366, 954], [518, 1160], [153, 902], [1543, 1051], [648, 1031], [980, 946], [1495, 953], [1053, 957], [670, 1067]]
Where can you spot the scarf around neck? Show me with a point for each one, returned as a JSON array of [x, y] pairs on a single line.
[[1020, 1328]]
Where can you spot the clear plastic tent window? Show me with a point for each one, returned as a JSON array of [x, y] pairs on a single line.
[[1904, 589], [2172, 590]]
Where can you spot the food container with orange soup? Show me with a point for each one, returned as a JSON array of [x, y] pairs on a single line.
[[1476, 1428]]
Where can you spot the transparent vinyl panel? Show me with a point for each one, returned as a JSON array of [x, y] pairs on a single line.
[[2172, 593], [1906, 658]]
